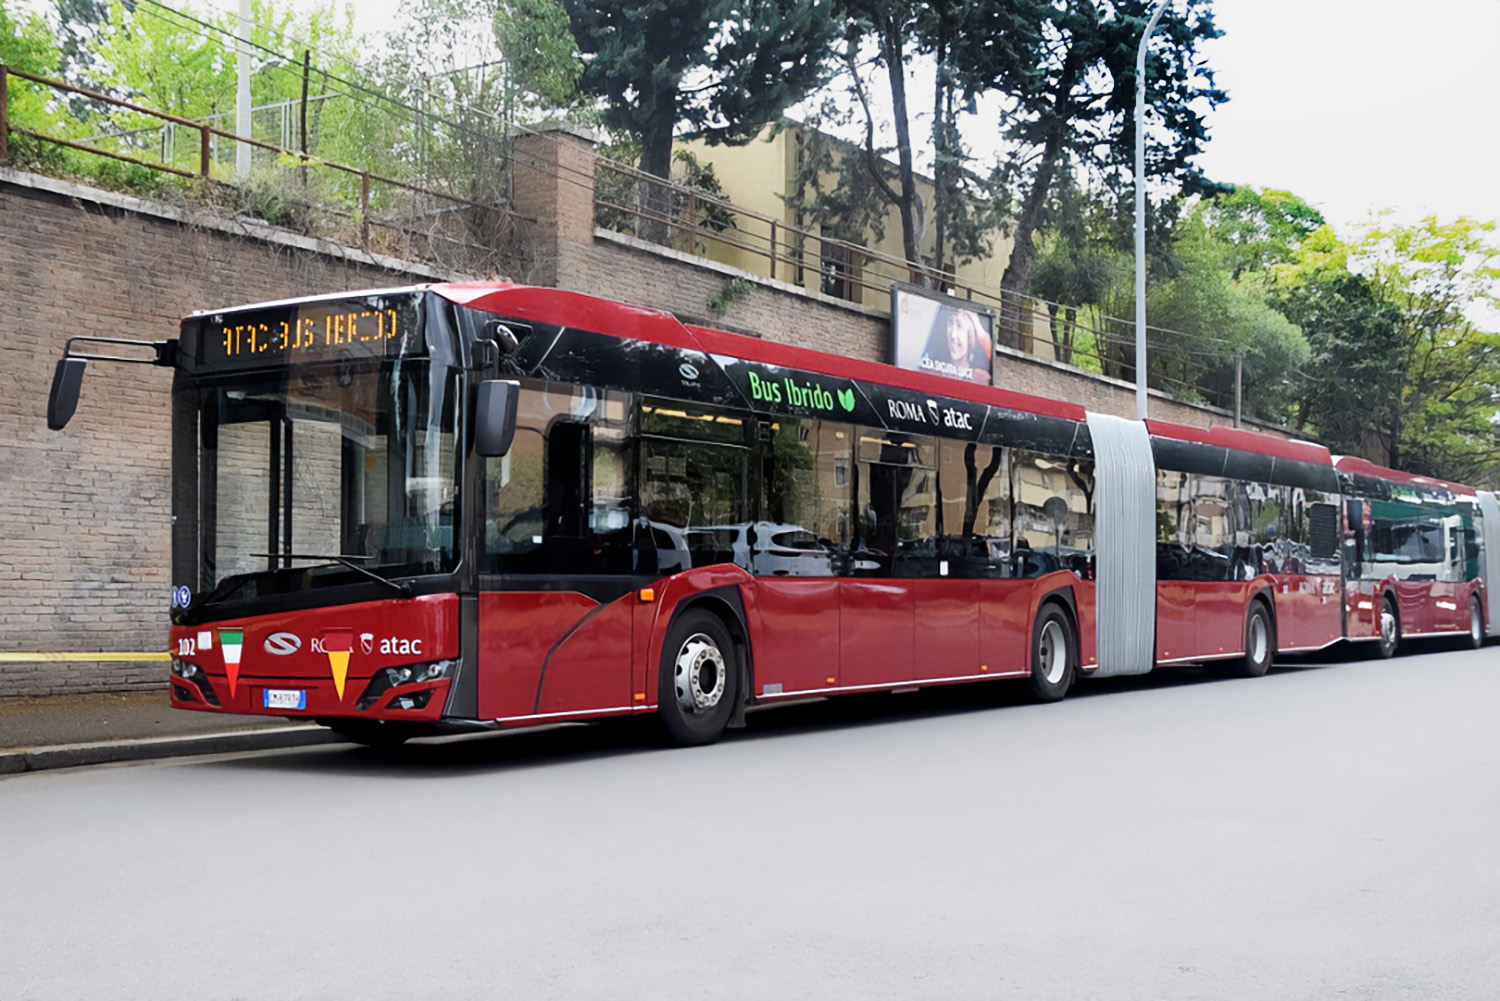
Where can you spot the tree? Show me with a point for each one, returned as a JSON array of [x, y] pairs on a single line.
[[26, 44], [1262, 227], [1067, 73], [539, 50], [853, 185], [1081, 268], [722, 69], [1402, 371]]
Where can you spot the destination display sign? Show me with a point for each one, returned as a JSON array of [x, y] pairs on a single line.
[[367, 327]]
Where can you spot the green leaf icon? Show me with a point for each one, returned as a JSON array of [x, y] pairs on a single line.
[[846, 399]]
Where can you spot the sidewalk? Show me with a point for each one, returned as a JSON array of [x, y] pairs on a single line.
[[61, 731]]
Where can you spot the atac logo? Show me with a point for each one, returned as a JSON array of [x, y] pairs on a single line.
[[932, 413], [282, 644], [367, 643]]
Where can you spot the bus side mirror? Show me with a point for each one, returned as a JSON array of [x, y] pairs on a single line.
[[495, 416], [67, 379]]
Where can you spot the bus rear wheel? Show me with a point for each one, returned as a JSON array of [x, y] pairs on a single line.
[[1476, 624], [1390, 630], [1260, 642], [699, 681], [1054, 655]]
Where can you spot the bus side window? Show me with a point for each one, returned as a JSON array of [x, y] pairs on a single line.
[[693, 498], [807, 489], [974, 515], [514, 493], [1053, 514]]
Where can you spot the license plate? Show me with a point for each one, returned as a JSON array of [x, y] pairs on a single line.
[[283, 698]]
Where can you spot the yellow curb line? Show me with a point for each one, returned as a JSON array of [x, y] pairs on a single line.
[[22, 658]]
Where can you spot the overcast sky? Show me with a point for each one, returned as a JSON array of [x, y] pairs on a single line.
[[1356, 105]]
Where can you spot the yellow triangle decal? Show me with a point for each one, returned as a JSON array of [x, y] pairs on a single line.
[[338, 660]]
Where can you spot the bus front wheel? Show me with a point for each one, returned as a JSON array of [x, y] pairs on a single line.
[[1390, 630], [699, 682], [1054, 655]]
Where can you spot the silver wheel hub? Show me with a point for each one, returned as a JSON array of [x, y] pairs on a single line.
[[1387, 626], [1476, 623], [699, 674], [1052, 653], [1259, 639]]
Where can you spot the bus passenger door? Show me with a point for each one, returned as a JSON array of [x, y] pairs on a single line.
[[798, 548]]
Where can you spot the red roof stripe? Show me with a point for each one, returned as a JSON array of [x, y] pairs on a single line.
[[1354, 464], [574, 309], [1244, 441]]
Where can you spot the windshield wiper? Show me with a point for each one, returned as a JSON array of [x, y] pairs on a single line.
[[401, 587]]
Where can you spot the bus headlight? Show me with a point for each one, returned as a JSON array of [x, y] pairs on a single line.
[[193, 674], [408, 674]]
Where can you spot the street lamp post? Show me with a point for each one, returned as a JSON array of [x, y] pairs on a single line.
[[1140, 211], [242, 93]]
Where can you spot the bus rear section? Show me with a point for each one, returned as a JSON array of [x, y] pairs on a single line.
[[1248, 546]]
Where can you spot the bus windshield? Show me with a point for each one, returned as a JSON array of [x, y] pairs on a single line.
[[316, 474]]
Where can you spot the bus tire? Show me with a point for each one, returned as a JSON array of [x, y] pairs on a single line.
[[1260, 642], [1054, 654], [1475, 639], [1390, 630], [699, 682]]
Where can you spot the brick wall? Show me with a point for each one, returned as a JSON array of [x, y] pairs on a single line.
[[85, 541]]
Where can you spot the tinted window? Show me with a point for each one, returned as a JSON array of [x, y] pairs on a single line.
[[560, 501], [1052, 514], [695, 463], [807, 497]]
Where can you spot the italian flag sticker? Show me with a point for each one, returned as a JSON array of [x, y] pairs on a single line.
[[231, 641], [338, 644]]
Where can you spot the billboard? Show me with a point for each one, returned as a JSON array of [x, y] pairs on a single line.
[[937, 333]]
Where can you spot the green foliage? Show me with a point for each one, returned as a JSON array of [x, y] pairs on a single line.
[[733, 291], [747, 62], [27, 44], [1212, 316], [535, 38], [1402, 372], [687, 212], [1066, 71], [1262, 227]]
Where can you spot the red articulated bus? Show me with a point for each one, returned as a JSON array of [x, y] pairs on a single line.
[[1418, 555], [409, 511]]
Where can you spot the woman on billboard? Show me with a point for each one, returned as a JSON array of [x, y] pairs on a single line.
[[958, 346]]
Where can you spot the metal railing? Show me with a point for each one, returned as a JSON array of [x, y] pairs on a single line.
[[491, 220]]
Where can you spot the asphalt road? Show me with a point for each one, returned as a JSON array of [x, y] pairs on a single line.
[[1329, 831]]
